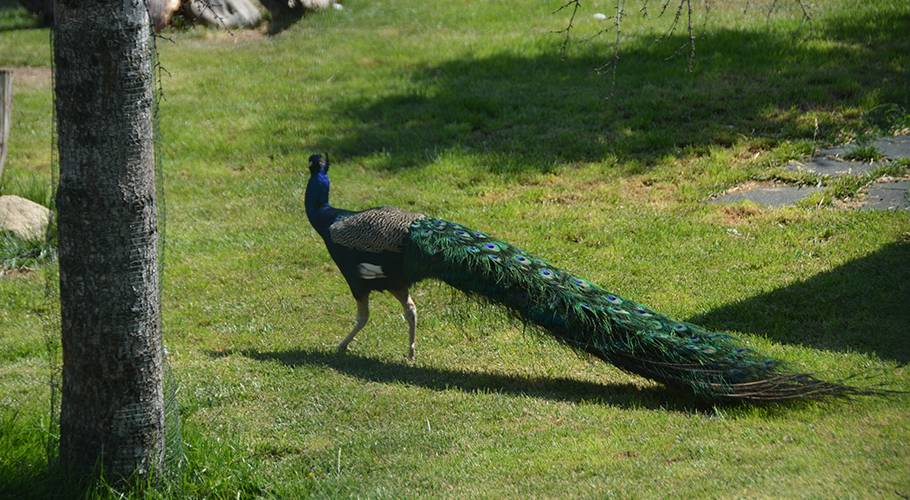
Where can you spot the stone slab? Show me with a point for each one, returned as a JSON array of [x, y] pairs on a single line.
[[893, 148], [832, 168], [888, 196], [834, 151], [769, 196]]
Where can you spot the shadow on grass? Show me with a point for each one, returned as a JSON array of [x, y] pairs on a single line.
[[539, 108], [863, 305], [13, 16], [439, 379]]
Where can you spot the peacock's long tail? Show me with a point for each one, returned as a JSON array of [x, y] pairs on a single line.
[[588, 318]]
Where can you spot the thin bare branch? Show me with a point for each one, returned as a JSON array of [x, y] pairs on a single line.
[[770, 11], [617, 22], [575, 4], [805, 10], [691, 38]]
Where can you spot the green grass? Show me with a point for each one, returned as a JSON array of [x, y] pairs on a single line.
[[865, 153], [18, 254], [469, 111]]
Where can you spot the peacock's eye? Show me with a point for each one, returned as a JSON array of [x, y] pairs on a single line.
[[580, 283], [494, 258], [521, 259], [493, 247], [614, 299], [546, 273]]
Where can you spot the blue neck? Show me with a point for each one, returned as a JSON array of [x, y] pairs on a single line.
[[318, 210]]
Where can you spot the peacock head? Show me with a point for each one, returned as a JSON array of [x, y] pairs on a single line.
[[319, 165], [317, 188]]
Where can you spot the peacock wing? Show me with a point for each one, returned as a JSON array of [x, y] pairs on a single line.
[[376, 230]]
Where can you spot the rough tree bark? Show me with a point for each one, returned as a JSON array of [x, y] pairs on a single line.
[[112, 413]]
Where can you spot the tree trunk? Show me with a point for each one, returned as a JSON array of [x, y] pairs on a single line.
[[112, 413]]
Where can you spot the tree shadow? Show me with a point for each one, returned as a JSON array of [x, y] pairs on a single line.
[[13, 16], [283, 14], [534, 110], [863, 305], [440, 379]]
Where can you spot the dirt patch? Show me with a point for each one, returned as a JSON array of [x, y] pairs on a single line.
[[28, 77], [15, 273], [655, 194], [737, 214], [494, 197]]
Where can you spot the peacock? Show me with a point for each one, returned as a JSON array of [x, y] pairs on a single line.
[[388, 249]]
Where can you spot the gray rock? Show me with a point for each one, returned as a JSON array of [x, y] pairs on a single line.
[[894, 147], [835, 151], [887, 196], [832, 167], [769, 196], [26, 219]]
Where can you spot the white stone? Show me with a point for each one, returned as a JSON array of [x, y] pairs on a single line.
[[24, 218], [316, 4]]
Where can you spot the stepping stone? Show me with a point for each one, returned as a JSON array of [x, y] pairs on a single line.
[[832, 168], [894, 147], [835, 151], [888, 196], [769, 196]]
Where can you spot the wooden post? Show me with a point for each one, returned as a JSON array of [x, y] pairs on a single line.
[[6, 105]]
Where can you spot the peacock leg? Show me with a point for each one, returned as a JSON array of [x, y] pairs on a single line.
[[363, 314], [410, 314]]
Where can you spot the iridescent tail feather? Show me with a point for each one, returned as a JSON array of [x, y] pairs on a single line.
[[588, 318]]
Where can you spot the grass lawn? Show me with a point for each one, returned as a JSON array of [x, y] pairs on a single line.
[[469, 111]]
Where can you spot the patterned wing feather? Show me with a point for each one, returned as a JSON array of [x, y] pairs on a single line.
[[376, 230]]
